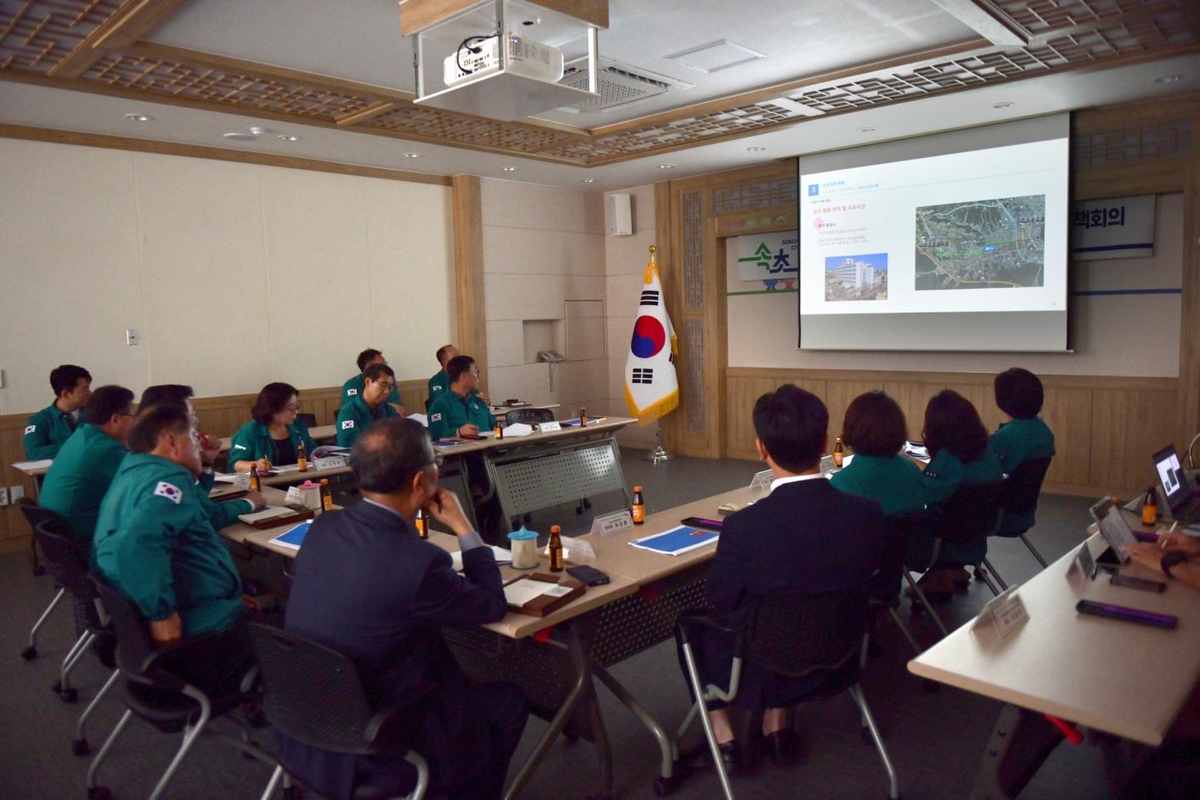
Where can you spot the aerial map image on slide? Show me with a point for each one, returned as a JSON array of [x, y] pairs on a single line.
[[981, 244]]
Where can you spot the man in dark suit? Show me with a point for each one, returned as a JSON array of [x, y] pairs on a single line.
[[805, 537], [367, 586]]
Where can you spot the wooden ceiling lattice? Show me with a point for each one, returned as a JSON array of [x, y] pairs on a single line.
[[36, 36], [215, 86]]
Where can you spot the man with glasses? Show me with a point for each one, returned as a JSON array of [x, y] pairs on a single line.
[[367, 586], [354, 386], [88, 461], [154, 544], [368, 406], [460, 411]]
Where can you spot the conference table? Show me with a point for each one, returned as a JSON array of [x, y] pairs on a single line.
[[558, 658], [1122, 678]]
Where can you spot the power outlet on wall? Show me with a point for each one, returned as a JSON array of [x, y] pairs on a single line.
[[3, 495], [15, 493]]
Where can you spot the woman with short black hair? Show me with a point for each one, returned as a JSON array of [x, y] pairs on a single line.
[[274, 434]]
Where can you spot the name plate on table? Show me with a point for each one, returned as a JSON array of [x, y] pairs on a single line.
[[1005, 612], [332, 462], [612, 523], [549, 427], [762, 480]]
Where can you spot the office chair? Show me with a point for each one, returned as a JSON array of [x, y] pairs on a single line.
[[309, 420], [35, 563], [816, 637], [964, 522], [1021, 490], [155, 695], [884, 588], [35, 514], [313, 694]]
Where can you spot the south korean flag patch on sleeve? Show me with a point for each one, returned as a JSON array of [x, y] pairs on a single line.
[[436, 418], [351, 392], [169, 491], [30, 429], [347, 424]]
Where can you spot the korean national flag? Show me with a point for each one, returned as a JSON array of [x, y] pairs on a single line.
[[651, 388]]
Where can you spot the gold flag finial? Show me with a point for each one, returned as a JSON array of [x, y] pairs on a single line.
[[653, 249]]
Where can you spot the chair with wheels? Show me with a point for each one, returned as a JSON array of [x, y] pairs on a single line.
[[815, 637], [313, 694], [1019, 503], [962, 527], [33, 515], [153, 694]]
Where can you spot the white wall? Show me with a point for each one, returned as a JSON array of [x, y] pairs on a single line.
[[626, 258], [236, 275], [1132, 335], [544, 274]]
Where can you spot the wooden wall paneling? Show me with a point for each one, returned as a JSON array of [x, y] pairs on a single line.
[[14, 530], [716, 341], [668, 270], [1187, 414], [467, 204], [1068, 412], [1128, 425]]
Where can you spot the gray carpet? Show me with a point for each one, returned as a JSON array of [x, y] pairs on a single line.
[[935, 740]]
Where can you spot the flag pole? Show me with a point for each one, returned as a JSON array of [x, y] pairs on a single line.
[[659, 453]]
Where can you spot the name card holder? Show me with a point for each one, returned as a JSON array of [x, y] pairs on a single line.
[[762, 480], [612, 523], [1006, 613], [549, 427], [332, 462]]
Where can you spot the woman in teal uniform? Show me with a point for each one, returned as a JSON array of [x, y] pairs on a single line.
[[959, 456], [1019, 394], [875, 428], [274, 435]]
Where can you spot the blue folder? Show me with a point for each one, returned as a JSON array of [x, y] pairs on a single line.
[[293, 537], [676, 541]]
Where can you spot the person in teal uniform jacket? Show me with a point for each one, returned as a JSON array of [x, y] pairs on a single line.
[[274, 435], [155, 545], [441, 381], [875, 428], [959, 456], [1019, 394], [87, 463], [47, 430], [354, 386], [371, 404], [223, 514], [460, 411]]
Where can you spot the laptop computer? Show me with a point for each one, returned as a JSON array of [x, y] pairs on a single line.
[[1182, 498]]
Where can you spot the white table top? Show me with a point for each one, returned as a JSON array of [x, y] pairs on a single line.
[[1127, 679]]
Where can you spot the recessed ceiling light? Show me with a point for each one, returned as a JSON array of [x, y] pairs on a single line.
[[1005, 104], [138, 117], [510, 169], [755, 149], [589, 180], [287, 137], [866, 129], [1168, 79], [240, 136], [412, 155], [666, 166]]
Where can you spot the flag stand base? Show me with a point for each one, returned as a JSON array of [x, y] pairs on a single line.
[[659, 453]]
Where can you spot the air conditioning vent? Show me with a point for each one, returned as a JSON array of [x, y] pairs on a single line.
[[619, 84]]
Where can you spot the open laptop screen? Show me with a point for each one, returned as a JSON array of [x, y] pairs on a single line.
[[1170, 476]]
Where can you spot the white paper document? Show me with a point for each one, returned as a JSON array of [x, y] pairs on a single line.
[[421, 418], [521, 592], [501, 555], [269, 513], [518, 429]]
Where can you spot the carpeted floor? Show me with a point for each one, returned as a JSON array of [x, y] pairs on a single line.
[[935, 739]]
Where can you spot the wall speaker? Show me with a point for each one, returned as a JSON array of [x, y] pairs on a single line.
[[620, 215]]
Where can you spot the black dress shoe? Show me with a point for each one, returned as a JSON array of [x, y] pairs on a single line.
[[731, 754], [780, 746]]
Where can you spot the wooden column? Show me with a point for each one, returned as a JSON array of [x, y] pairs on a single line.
[[468, 271]]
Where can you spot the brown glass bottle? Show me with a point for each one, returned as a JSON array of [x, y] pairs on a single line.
[[301, 457], [556, 549], [422, 524], [638, 509], [839, 452], [255, 481], [1150, 507], [326, 495]]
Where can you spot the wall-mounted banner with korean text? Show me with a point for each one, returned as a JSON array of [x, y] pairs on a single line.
[[1115, 227], [771, 258], [651, 386]]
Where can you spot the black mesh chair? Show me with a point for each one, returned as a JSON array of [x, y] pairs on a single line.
[[153, 694], [309, 420], [35, 563], [884, 589], [1021, 490], [33, 515], [313, 694], [817, 637], [529, 416], [966, 521]]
